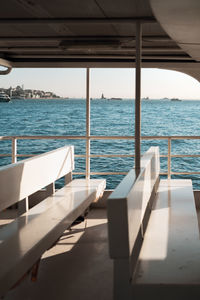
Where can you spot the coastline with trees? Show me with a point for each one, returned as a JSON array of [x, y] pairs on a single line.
[[20, 93]]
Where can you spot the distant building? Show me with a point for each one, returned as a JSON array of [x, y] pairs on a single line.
[[48, 95], [19, 92]]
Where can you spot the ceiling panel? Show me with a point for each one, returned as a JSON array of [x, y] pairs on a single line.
[[181, 20], [91, 32]]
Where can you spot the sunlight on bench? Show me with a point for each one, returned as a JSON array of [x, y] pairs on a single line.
[[24, 240], [154, 236]]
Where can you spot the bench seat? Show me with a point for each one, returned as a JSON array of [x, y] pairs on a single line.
[[23, 241], [169, 262], [154, 236]]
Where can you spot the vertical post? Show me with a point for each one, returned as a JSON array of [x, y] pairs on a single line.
[[138, 97], [169, 159], [14, 150], [87, 123]]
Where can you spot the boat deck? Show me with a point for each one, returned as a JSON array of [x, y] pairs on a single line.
[[77, 267]]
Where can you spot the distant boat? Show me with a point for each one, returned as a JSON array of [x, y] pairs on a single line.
[[102, 96], [175, 99], [115, 98], [4, 97], [146, 98]]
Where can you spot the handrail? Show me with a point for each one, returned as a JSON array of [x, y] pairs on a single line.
[[169, 155]]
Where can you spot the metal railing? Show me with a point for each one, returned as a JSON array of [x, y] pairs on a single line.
[[14, 154]]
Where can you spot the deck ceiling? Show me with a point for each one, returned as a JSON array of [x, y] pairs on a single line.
[[100, 33]]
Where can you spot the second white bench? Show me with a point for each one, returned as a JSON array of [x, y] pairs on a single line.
[[154, 236]]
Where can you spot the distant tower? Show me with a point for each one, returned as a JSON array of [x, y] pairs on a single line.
[[10, 91]]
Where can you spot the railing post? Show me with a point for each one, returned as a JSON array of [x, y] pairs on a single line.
[[138, 97], [169, 159], [87, 123], [14, 150]]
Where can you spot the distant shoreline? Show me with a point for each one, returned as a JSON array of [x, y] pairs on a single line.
[[100, 100], [60, 98]]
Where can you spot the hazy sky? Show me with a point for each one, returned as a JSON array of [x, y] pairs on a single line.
[[112, 82]]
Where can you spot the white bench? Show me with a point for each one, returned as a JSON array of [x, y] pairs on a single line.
[[154, 236], [23, 241]]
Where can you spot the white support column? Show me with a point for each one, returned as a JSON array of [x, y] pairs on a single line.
[[138, 97], [14, 150], [87, 123]]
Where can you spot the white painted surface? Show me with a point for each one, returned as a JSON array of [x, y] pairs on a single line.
[[170, 255], [19, 180], [153, 155], [180, 20], [127, 205], [23, 241]]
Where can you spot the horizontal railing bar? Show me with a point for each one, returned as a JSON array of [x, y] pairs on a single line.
[[185, 173], [113, 137], [45, 137], [105, 155], [101, 173], [181, 173], [108, 155], [111, 155], [66, 137], [78, 173], [132, 155], [108, 173], [79, 155], [185, 155], [147, 137], [180, 155], [31, 155], [74, 137]]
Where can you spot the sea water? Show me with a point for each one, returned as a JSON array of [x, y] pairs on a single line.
[[108, 118]]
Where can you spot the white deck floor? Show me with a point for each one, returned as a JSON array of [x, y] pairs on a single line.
[[78, 267]]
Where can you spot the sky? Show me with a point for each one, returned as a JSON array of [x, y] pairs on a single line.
[[155, 83]]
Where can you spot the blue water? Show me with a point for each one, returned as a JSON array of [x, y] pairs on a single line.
[[67, 117]]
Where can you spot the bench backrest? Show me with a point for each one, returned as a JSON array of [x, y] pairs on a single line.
[[127, 205], [21, 179]]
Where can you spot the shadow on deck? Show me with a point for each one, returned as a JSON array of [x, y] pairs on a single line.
[[77, 267]]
